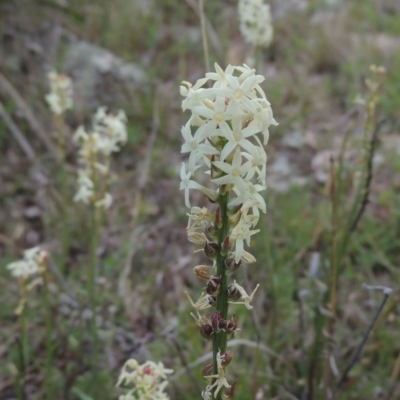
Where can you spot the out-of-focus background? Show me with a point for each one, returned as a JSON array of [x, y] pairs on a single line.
[[132, 55]]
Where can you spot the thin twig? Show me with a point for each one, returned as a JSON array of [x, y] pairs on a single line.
[[386, 294], [19, 137], [214, 40], [365, 199], [185, 364], [204, 35]]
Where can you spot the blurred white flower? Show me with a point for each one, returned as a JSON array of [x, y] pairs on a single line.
[[255, 22], [96, 146], [148, 380], [32, 263], [60, 97]]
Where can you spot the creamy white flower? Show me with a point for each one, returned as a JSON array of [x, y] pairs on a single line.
[[233, 172], [192, 145], [148, 380], [204, 301], [86, 188], [237, 136], [105, 202], [32, 263], [245, 299], [240, 234], [111, 128], [220, 379]]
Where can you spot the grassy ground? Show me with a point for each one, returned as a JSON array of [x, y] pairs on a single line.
[[314, 69]]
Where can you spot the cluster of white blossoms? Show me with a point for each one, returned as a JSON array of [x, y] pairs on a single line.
[[106, 137], [255, 22], [148, 380], [33, 262], [221, 135], [60, 97]]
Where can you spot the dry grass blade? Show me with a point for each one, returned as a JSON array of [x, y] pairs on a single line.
[[26, 110], [19, 137]]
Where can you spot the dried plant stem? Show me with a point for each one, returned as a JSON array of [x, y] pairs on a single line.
[[220, 338], [204, 36], [354, 359], [49, 349], [19, 137], [328, 376], [362, 196], [59, 124], [394, 379]]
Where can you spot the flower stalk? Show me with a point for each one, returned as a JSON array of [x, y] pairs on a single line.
[[30, 272], [221, 137], [60, 99], [108, 133]]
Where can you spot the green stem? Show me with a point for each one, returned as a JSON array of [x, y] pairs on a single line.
[[257, 56], [92, 288], [49, 350], [23, 350], [220, 338], [59, 123]]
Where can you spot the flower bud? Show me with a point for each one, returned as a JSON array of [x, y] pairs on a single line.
[[206, 330], [233, 292], [212, 231], [225, 246], [218, 220], [212, 286], [231, 266], [226, 357], [215, 318], [201, 272], [230, 392], [207, 370], [222, 324], [231, 326], [211, 300], [211, 250]]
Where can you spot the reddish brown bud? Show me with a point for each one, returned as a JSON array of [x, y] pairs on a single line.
[[212, 286], [231, 391], [225, 246], [222, 324], [207, 370], [215, 317], [232, 325], [233, 292], [231, 266], [226, 357], [217, 218], [212, 300], [206, 331], [211, 250]]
